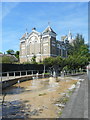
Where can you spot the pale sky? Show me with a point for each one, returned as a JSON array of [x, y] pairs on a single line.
[[63, 16]]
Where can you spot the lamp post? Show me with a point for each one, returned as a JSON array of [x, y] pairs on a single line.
[[44, 68]]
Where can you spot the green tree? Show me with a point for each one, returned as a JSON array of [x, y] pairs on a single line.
[[17, 54], [78, 54], [82, 61], [78, 42], [10, 51], [55, 62], [77, 45], [1, 53], [8, 59], [33, 60], [48, 61], [83, 50], [70, 49], [75, 62]]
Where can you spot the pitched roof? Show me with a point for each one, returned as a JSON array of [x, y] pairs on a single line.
[[34, 31], [48, 29], [24, 35]]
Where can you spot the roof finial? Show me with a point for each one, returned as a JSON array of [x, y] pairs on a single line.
[[26, 31], [48, 23], [69, 31]]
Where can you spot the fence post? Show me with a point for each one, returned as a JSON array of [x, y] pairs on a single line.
[[8, 75], [26, 72], [1, 76], [32, 72], [14, 74], [20, 73], [43, 75]]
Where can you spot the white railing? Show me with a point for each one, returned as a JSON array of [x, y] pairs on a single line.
[[17, 74]]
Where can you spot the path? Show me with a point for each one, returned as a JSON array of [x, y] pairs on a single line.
[[77, 107]]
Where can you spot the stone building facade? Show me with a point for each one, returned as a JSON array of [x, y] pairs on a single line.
[[42, 45]]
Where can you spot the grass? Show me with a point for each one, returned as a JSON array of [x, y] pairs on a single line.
[[71, 91], [60, 113], [41, 94], [65, 99]]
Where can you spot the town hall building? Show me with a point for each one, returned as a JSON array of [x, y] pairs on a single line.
[[43, 45]]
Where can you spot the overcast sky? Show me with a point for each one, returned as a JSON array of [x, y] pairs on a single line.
[[63, 16]]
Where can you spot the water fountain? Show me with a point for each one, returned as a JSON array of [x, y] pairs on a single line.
[[54, 74], [62, 73], [35, 82], [52, 83], [18, 81]]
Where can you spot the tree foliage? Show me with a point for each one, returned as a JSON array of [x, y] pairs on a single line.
[[78, 56], [17, 54], [78, 47], [10, 51], [1, 53], [8, 59], [55, 62], [33, 60]]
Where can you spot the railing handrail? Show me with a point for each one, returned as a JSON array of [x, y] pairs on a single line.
[[21, 71]]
